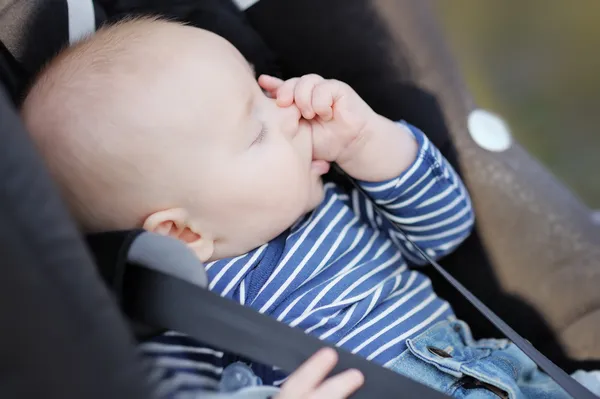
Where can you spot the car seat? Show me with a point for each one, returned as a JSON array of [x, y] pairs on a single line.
[[62, 319], [394, 55]]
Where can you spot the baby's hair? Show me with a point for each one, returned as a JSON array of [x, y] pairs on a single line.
[[69, 114]]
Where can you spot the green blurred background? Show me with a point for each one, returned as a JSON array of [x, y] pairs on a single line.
[[537, 63]]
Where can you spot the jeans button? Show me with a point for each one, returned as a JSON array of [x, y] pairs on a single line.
[[237, 376], [438, 352]]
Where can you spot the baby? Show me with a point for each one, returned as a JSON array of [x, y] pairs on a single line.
[[158, 125]]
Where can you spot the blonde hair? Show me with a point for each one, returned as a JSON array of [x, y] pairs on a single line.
[[94, 151]]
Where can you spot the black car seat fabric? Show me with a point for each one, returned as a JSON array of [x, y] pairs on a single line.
[[535, 258], [33, 31], [58, 319], [221, 17], [285, 61], [62, 334]]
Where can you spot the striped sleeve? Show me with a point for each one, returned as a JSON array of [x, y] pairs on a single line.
[[428, 202], [180, 367]]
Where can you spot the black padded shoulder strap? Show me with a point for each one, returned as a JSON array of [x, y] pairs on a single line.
[[180, 301], [165, 301]]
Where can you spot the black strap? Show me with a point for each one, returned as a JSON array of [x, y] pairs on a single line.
[[570, 385], [168, 302]]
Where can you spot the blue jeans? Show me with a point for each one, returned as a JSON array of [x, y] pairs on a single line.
[[447, 358]]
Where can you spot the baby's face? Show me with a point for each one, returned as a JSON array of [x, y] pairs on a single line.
[[253, 172]]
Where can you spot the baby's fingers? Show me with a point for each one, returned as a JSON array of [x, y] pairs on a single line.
[[323, 99], [339, 386], [271, 84], [303, 94], [309, 375], [285, 94]]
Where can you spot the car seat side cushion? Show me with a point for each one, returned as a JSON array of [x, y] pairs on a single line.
[[58, 319]]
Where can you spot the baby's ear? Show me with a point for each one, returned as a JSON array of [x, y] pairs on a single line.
[[175, 223]]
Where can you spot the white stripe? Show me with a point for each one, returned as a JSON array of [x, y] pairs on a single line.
[[407, 175], [415, 197], [166, 348], [365, 277], [446, 233], [332, 250], [224, 270], [82, 19], [392, 200], [413, 311], [409, 283], [405, 247], [242, 298], [341, 301], [371, 214], [410, 332], [299, 298], [209, 265], [453, 187], [174, 334], [340, 325], [387, 244], [426, 216], [363, 295], [172, 362], [244, 4], [323, 321], [304, 260], [244, 270], [451, 244], [349, 268], [444, 222], [374, 300], [315, 220]]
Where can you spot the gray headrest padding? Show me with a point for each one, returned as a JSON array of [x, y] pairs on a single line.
[[167, 255]]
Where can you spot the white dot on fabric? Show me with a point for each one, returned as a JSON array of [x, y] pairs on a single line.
[[489, 131]]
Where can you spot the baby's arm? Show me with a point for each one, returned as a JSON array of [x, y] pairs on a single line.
[[395, 164], [427, 200]]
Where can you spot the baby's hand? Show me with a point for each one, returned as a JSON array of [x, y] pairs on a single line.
[[337, 114], [307, 381]]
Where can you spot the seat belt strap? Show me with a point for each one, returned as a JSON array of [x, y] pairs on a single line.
[[168, 302]]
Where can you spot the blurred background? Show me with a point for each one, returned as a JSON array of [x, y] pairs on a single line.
[[537, 64]]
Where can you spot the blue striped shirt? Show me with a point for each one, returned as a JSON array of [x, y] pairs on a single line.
[[341, 273]]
